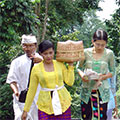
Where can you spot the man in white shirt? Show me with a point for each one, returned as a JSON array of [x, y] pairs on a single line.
[[18, 76]]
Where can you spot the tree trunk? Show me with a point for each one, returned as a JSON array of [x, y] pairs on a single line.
[[37, 12], [45, 20]]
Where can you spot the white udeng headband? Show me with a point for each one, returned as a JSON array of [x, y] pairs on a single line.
[[28, 39]]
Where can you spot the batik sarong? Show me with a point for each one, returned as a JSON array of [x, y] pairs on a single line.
[[95, 109], [65, 116]]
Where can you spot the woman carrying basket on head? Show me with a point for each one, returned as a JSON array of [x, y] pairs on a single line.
[[54, 100]]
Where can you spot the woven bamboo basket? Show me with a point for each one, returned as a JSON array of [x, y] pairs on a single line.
[[70, 51]]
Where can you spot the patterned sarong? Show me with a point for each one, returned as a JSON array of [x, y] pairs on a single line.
[[65, 116], [95, 109]]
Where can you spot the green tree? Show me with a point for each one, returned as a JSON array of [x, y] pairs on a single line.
[[113, 28], [85, 31], [62, 15], [16, 18]]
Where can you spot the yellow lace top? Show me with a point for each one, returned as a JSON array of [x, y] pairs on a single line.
[[49, 80]]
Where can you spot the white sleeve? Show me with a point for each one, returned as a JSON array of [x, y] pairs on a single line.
[[38, 55], [13, 73]]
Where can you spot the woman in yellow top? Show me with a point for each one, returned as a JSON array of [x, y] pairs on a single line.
[[54, 100]]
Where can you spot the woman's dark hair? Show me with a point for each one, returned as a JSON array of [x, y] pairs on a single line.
[[100, 35], [44, 45]]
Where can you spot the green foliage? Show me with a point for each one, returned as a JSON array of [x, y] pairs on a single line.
[[71, 36], [6, 110], [63, 15], [7, 54], [90, 25], [118, 75], [85, 31], [113, 28], [35, 1], [118, 88], [75, 91], [17, 18], [118, 99]]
